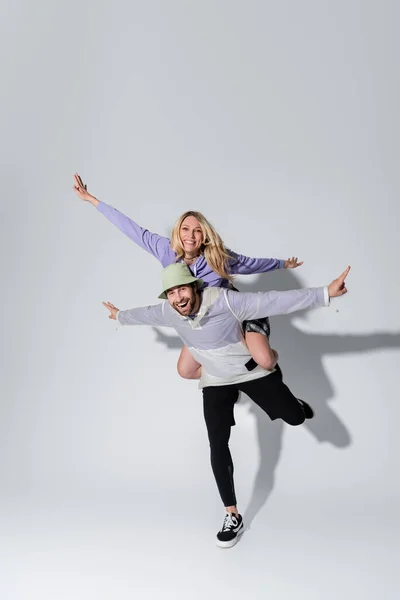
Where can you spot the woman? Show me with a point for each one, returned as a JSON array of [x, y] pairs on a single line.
[[195, 242]]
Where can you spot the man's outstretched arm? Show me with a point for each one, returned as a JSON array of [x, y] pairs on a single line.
[[144, 315], [246, 306]]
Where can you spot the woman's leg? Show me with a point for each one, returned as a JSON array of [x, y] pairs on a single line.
[[188, 367], [260, 349]]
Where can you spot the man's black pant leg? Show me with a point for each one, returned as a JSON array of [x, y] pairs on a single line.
[[218, 403], [274, 397]]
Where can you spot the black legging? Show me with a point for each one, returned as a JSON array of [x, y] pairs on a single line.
[[270, 393]]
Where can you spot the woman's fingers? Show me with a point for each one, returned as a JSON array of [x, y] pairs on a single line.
[[80, 183], [78, 180]]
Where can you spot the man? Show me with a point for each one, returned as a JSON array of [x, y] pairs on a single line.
[[209, 323]]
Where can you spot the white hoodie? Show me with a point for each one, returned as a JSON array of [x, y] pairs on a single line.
[[214, 336]]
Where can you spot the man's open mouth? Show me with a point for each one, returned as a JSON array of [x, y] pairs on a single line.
[[183, 304]]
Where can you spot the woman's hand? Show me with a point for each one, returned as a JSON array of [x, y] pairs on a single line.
[[81, 190], [292, 263]]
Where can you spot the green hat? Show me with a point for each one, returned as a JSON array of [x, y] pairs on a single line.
[[176, 274]]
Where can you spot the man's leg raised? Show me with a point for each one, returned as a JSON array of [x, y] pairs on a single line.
[[276, 399]]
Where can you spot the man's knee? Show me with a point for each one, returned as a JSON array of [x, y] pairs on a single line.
[[218, 438], [295, 417], [219, 452]]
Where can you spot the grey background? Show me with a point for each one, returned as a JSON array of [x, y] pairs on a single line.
[[280, 122]]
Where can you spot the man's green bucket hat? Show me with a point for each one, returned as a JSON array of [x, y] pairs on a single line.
[[177, 274]]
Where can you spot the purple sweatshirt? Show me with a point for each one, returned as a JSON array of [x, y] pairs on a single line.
[[160, 247]]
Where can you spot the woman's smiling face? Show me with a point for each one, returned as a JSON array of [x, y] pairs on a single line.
[[191, 236]]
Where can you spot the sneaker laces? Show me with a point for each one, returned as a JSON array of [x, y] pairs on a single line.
[[228, 522]]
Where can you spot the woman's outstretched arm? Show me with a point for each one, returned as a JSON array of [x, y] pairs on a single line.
[[246, 265], [157, 245]]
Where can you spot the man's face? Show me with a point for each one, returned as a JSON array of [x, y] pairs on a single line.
[[183, 299]]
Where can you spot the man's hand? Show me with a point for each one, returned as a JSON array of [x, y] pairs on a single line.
[[338, 286], [113, 310], [292, 263], [81, 190]]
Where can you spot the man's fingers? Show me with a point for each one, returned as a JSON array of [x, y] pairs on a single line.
[[346, 272], [343, 276]]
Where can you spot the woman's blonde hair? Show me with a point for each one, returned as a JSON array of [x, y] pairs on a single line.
[[213, 248]]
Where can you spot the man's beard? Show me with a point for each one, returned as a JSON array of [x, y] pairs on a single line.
[[185, 306]]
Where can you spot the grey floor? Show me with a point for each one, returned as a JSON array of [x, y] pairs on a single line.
[[88, 544]]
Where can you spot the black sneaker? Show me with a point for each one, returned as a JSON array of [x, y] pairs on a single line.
[[232, 528], [308, 411]]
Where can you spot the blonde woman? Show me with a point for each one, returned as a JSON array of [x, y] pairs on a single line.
[[195, 242]]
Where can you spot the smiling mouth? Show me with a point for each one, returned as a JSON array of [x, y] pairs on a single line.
[[183, 304]]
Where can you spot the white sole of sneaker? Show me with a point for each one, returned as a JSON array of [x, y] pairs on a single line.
[[231, 542]]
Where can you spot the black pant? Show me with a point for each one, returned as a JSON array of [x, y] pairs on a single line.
[[270, 393]]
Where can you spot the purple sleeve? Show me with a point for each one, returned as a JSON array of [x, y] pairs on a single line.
[[244, 265], [157, 245]]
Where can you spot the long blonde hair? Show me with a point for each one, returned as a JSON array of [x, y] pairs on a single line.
[[213, 248]]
